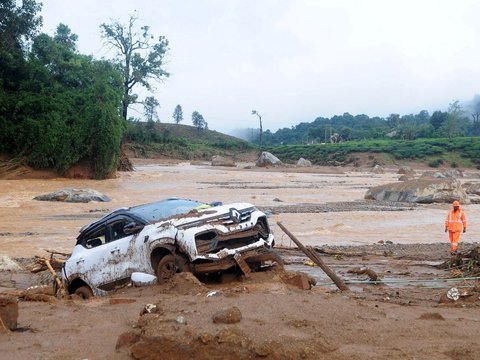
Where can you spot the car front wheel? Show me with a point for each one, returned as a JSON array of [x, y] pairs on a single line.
[[166, 268], [84, 292]]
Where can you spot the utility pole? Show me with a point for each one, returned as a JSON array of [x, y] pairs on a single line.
[[255, 112]]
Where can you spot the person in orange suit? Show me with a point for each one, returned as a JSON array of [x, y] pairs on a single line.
[[455, 223]]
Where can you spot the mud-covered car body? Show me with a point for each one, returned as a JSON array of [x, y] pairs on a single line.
[[166, 236]]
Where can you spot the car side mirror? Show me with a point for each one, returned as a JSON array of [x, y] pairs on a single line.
[[132, 228]]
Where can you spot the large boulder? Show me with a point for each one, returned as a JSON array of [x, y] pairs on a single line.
[[377, 169], [420, 191], [432, 175], [267, 159], [304, 162], [406, 177], [453, 173], [218, 160], [406, 170], [472, 188], [73, 195]]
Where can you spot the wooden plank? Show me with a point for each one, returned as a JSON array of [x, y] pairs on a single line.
[[313, 255]]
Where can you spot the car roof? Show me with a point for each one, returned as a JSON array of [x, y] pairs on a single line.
[[148, 213]]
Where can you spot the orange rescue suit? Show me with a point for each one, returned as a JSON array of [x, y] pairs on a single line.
[[455, 222]]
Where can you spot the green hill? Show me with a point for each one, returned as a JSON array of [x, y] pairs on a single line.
[[179, 141], [461, 151]]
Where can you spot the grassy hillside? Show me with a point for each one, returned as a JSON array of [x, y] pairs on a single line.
[[182, 142], [463, 152]]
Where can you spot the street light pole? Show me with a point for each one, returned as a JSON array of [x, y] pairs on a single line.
[[255, 112]]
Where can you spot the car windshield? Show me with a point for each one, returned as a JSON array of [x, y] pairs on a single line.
[[164, 209]]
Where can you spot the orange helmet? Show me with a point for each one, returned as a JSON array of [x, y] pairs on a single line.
[[456, 203]]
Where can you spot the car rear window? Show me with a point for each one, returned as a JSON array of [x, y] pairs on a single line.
[[164, 209]]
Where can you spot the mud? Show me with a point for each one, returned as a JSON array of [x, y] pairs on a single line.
[[401, 316]]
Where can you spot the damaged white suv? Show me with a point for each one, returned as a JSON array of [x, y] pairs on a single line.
[[166, 237]]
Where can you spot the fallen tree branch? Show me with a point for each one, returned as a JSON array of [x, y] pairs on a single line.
[[313, 255]]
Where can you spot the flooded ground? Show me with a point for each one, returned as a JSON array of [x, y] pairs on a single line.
[[319, 205], [402, 316]]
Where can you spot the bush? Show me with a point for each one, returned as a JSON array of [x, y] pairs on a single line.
[[435, 163]]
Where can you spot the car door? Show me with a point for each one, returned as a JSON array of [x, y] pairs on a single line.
[[122, 249], [93, 263], [106, 262]]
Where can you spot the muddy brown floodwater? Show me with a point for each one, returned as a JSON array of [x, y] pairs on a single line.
[[400, 318], [27, 226]]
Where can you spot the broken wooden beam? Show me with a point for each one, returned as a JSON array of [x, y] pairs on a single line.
[[61, 288], [313, 255]]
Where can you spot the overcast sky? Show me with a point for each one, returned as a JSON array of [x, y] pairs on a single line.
[[295, 60]]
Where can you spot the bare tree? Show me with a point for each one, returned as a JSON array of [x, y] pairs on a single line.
[[139, 57]]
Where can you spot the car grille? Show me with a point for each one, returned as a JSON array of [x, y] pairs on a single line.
[[212, 242]]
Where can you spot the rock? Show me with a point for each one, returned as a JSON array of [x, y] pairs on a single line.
[[470, 188], [218, 160], [127, 339], [227, 316], [431, 316], [181, 320], [8, 312], [432, 175], [405, 178], [264, 349], [453, 173], [304, 162], [299, 280], [267, 159], [74, 195], [406, 170], [8, 264], [277, 200], [420, 191], [233, 336], [377, 169], [205, 338]]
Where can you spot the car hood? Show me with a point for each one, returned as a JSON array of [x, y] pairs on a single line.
[[226, 214]]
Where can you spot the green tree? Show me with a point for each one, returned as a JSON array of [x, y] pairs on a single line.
[[139, 57], [178, 114], [198, 121], [455, 112], [66, 111], [18, 25], [437, 119], [150, 105]]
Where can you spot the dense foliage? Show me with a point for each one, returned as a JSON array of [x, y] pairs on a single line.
[[434, 150], [456, 122], [58, 107]]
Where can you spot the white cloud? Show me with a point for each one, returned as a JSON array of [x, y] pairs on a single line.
[[294, 60]]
